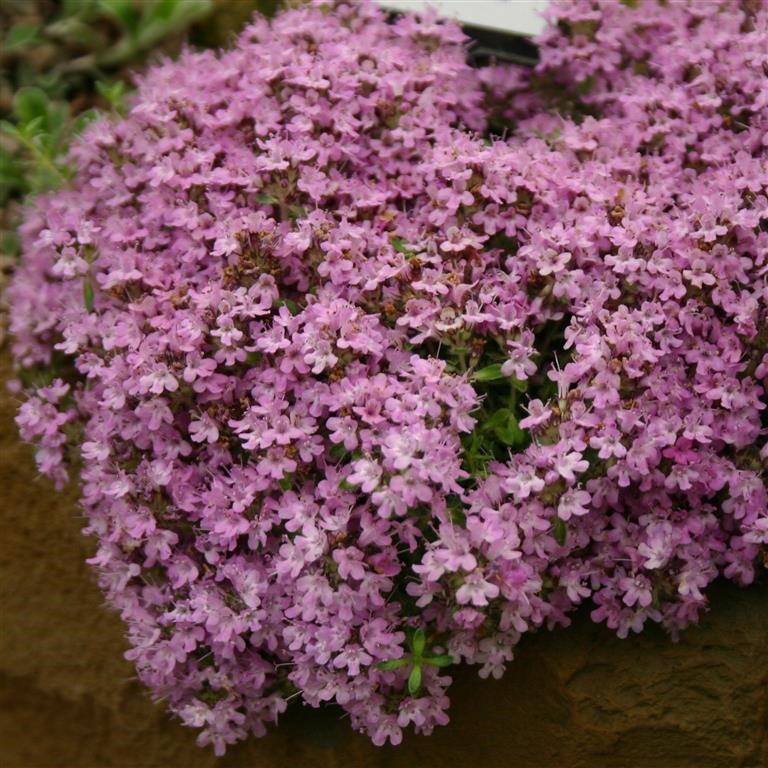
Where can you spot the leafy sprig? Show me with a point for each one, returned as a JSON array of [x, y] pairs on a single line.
[[416, 659]]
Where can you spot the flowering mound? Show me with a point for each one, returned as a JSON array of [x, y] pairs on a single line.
[[355, 394]]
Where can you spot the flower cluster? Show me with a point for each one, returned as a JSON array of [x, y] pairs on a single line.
[[355, 394]]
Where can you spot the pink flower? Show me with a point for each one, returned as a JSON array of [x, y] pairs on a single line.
[[569, 464], [573, 502], [204, 429], [551, 262], [366, 474], [343, 430], [158, 380], [538, 414], [476, 590]]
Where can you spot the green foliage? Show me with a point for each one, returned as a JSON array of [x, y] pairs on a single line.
[[88, 295], [414, 680], [400, 246], [489, 373], [58, 63], [146, 25], [560, 531], [113, 93], [62, 61], [503, 424], [417, 642], [497, 432], [32, 143], [291, 305], [20, 36], [229, 16]]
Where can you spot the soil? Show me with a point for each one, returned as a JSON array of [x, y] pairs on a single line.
[[575, 698]]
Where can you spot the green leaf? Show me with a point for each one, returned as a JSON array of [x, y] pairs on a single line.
[[456, 510], [81, 121], [165, 9], [292, 306], [29, 104], [503, 423], [418, 642], [56, 119], [399, 244], [510, 433], [123, 11], [414, 681], [114, 93], [583, 87], [20, 35], [76, 7], [337, 451], [75, 31], [9, 129], [439, 661], [560, 531], [489, 373], [9, 242], [175, 13], [386, 666], [497, 419], [88, 294], [32, 129], [266, 199]]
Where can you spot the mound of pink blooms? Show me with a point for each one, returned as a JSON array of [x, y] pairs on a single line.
[[355, 394]]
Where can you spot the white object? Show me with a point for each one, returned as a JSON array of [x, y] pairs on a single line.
[[521, 17]]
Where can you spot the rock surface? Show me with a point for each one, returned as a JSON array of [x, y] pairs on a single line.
[[575, 698]]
